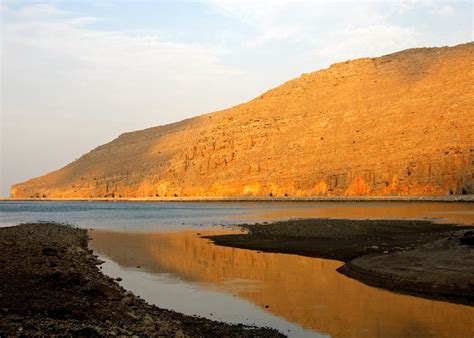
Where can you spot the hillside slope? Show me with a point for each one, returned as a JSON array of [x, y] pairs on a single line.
[[401, 124]]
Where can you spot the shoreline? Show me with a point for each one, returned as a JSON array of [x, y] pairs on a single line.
[[415, 257], [51, 283], [445, 199]]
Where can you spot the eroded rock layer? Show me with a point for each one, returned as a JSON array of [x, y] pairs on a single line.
[[401, 124]]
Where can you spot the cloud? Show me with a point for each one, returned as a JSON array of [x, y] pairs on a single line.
[[40, 11], [84, 20], [366, 41], [74, 65], [324, 32]]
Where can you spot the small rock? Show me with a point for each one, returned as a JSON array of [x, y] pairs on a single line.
[[132, 315], [96, 287], [127, 300], [49, 252], [148, 321], [6, 242], [85, 332]]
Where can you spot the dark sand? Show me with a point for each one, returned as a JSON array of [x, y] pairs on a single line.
[[415, 257], [50, 283]]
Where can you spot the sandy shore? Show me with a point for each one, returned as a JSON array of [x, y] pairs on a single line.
[[415, 257], [51, 283]]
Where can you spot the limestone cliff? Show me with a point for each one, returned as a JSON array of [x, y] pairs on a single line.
[[401, 124]]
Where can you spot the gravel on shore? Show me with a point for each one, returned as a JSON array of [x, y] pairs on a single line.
[[410, 256], [51, 284]]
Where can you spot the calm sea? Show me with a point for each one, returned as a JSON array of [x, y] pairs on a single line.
[[189, 215]]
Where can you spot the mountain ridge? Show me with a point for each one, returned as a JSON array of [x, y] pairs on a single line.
[[399, 124]]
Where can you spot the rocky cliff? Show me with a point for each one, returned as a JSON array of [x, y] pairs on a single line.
[[401, 124]]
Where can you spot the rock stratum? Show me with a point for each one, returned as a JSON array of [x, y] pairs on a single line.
[[400, 124]]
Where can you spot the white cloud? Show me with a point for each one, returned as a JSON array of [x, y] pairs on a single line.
[[325, 32], [366, 41], [84, 20], [37, 11]]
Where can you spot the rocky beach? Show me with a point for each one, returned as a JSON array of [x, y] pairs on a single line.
[[51, 284]]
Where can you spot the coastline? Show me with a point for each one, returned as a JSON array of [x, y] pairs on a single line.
[[51, 283], [415, 257], [444, 198]]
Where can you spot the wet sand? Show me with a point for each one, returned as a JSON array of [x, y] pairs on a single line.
[[51, 283], [415, 257]]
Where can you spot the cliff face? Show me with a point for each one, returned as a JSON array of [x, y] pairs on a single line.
[[401, 124]]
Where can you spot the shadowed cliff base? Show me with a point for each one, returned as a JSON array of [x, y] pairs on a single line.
[[415, 257], [50, 284], [396, 125]]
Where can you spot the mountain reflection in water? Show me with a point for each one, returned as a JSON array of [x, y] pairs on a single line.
[[306, 291], [457, 213]]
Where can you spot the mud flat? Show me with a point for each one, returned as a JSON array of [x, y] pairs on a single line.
[[415, 257], [51, 283]]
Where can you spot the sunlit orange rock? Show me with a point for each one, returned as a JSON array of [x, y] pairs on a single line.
[[401, 124]]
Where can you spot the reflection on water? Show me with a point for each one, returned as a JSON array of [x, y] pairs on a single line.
[[462, 213], [143, 216], [302, 290]]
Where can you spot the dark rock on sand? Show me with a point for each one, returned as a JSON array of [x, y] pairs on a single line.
[[468, 238]]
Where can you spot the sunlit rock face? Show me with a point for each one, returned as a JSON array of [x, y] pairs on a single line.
[[400, 124]]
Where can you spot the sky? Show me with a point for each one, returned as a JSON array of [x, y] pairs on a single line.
[[76, 74]]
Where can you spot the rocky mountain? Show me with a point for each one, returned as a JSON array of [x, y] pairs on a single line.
[[400, 124]]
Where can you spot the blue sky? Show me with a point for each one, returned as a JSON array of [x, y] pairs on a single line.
[[76, 74]]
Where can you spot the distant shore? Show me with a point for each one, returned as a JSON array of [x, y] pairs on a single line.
[[410, 256], [447, 198], [51, 284]]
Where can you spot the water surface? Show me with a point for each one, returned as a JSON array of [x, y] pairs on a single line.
[[181, 271], [147, 216], [300, 296]]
